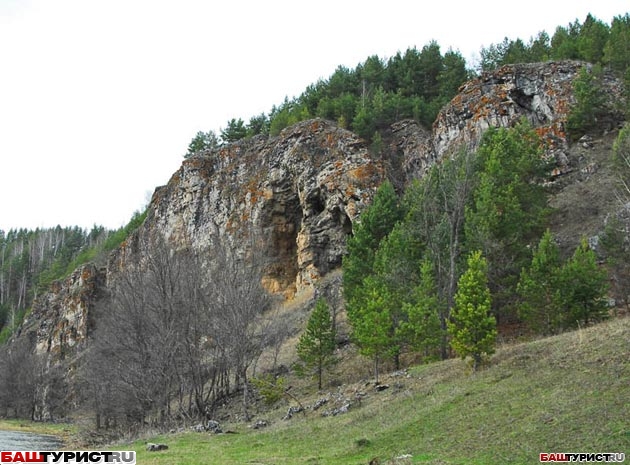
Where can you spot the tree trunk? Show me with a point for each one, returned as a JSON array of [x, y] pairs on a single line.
[[245, 395], [320, 368], [476, 362]]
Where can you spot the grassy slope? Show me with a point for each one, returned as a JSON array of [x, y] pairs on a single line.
[[569, 393]]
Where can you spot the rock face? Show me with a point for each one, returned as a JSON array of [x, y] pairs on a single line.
[[410, 152], [294, 198], [60, 318], [542, 93]]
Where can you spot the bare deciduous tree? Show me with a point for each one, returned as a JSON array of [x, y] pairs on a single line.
[[239, 324], [20, 375], [180, 330]]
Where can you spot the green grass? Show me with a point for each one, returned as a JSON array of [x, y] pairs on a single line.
[[569, 393]]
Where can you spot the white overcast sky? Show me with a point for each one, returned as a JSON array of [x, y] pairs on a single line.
[[99, 99]]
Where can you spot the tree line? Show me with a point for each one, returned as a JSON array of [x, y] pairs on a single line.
[[30, 260], [593, 41], [366, 99], [418, 83]]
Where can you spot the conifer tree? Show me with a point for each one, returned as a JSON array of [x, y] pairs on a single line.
[[538, 288], [592, 39], [584, 285], [202, 141], [616, 50], [472, 329], [510, 206], [375, 224], [316, 347], [589, 102], [235, 130], [421, 329], [370, 315]]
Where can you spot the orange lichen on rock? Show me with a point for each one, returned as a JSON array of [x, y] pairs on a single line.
[[330, 140], [552, 130], [363, 173], [86, 273]]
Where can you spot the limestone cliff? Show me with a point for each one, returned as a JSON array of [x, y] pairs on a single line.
[[60, 318], [296, 196], [542, 93]]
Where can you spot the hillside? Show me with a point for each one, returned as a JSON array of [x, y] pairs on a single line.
[[299, 194], [409, 210], [566, 393], [290, 200], [592, 169]]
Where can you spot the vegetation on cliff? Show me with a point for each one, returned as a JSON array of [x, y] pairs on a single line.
[[494, 202], [189, 328], [593, 41], [417, 83], [30, 261]]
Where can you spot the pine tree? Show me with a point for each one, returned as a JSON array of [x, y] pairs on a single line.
[[584, 285], [538, 288], [235, 130], [472, 329], [589, 102], [616, 50], [316, 347], [421, 329], [202, 141], [453, 74], [375, 224], [370, 315], [510, 206], [592, 39], [564, 42]]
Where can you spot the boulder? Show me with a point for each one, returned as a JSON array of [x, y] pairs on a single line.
[[152, 447]]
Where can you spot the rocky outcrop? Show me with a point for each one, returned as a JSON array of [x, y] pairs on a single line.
[[542, 93], [410, 152], [60, 318], [293, 198]]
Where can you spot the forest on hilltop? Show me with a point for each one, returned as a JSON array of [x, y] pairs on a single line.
[[416, 84]]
